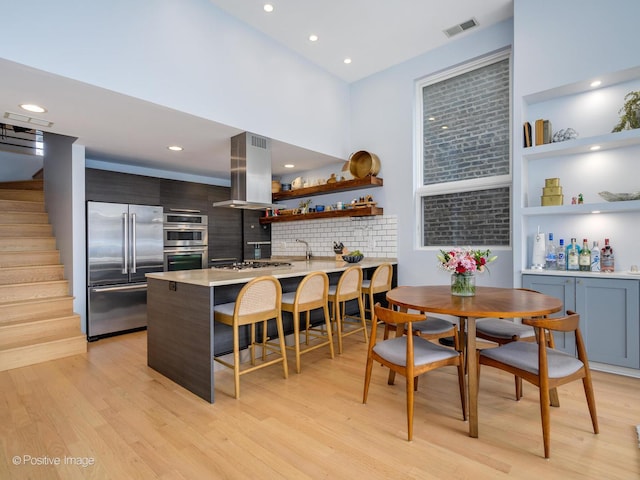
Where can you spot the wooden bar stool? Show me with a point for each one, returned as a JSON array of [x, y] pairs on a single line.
[[311, 294], [348, 288], [258, 301], [380, 282]]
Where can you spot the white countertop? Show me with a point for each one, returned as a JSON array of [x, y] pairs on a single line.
[[577, 273], [212, 277]]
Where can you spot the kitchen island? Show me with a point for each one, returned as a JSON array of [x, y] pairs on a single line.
[[182, 337]]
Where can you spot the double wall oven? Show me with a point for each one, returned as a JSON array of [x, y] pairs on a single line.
[[185, 240]]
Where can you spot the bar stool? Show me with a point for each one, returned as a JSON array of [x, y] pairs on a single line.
[[258, 301], [348, 288], [380, 282], [311, 294]]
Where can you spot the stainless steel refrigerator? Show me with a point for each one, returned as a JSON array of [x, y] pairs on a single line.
[[124, 242]]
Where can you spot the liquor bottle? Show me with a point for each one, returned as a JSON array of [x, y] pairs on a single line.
[[573, 253], [561, 258], [550, 255], [584, 259], [595, 257], [607, 263]]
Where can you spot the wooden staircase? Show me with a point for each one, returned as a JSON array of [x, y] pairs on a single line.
[[37, 322]]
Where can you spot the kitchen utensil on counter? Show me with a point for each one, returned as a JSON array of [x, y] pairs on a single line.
[[338, 247]]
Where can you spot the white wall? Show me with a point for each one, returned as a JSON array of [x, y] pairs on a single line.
[[383, 122], [187, 55]]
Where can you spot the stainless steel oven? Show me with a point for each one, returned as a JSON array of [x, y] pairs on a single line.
[[185, 258], [185, 229], [185, 240]]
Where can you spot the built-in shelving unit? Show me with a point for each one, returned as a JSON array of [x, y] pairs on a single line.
[[327, 188]]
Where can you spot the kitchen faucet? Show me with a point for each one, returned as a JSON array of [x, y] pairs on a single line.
[[307, 252]]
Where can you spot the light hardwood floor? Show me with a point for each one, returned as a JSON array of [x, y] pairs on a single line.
[[132, 423]]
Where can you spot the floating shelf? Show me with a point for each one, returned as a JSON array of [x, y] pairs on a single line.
[[348, 212], [586, 208], [344, 186]]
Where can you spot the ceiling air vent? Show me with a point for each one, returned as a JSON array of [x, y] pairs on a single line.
[[450, 32]]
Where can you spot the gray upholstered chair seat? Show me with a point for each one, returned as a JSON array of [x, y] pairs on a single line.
[[225, 308], [432, 326], [506, 329], [524, 355], [289, 297], [366, 283], [424, 351]]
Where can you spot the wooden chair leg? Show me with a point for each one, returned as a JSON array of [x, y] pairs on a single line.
[[518, 381], [296, 339], [283, 347], [463, 387], [236, 361], [591, 401], [327, 322], [409, 389], [545, 414], [363, 319], [367, 379]]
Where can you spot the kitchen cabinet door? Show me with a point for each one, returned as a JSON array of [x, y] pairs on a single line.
[[609, 319], [564, 289]]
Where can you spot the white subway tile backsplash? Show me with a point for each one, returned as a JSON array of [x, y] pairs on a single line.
[[374, 236]]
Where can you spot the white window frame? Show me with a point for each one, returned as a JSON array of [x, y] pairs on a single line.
[[420, 190]]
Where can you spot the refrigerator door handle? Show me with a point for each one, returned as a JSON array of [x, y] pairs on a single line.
[[134, 260], [125, 268], [140, 286]]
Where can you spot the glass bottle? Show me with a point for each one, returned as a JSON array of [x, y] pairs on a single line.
[[584, 259], [561, 258], [595, 257], [550, 255], [606, 258], [573, 253]]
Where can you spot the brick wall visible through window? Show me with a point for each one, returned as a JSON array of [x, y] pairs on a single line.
[[467, 218], [465, 193]]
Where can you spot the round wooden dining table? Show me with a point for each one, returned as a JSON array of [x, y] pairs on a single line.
[[487, 302]]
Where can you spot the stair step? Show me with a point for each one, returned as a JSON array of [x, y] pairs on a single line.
[[24, 291], [19, 258], [21, 206], [26, 230], [23, 185], [36, 308], [63, 344], [30, 274], [27, 244], [20, 332], [22, 195], [20, 218]]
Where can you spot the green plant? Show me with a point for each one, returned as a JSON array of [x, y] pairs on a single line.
[[304, 203], [629, 113]]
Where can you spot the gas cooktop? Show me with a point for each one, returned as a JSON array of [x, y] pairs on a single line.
[[250, 265]]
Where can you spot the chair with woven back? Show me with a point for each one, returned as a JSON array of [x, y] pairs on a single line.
[[409, 356], [311, 294], [546, 367], [380, 282], [348, 288], [257, 302]]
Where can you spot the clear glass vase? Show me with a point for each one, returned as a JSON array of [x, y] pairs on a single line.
[[463, 284]]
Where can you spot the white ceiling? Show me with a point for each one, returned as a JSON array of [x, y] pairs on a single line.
[[376, 34]]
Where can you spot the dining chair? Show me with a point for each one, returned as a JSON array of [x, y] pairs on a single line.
[[348, 288], [257, 302], [502, 331], [379, 282], [410, 356], [545, 367], [312, 294]]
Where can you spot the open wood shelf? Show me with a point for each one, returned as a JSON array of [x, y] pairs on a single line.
[[343, 186], [348, 212]]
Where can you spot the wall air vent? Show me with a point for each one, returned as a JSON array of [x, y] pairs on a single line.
[[27, 119], [461, 27]]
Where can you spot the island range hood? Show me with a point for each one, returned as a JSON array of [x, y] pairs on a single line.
[[250, 173]]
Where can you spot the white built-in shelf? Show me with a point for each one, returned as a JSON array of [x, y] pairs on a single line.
[[585, 208], [608, 141]]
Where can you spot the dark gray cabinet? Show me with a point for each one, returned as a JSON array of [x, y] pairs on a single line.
[[116, 187], [609, 311]]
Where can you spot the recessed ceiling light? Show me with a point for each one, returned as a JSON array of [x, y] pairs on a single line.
[[268, 7], [289, 165], [313, 38], [594, 148], [347, 61], [30, 107], [175, 148], [596, 83]]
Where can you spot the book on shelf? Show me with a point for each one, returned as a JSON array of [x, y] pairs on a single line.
[[547, 133], [527, 134], [539, 127]]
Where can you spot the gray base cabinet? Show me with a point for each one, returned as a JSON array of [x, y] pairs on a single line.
[[609, 311]]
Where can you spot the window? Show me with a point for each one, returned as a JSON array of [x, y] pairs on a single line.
[[464, 150]]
